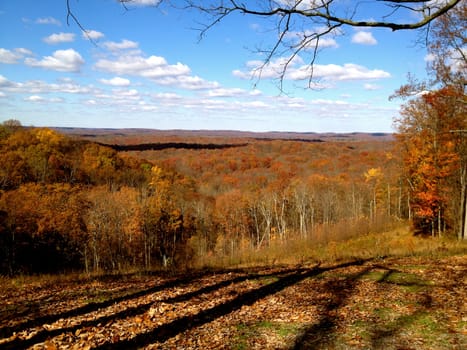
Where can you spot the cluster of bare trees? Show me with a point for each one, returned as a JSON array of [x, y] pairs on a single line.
[[306, 209]]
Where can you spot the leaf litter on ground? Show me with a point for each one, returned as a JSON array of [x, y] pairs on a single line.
[[393, 303]]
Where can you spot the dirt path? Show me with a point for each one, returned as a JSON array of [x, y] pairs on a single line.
[[410, 303]]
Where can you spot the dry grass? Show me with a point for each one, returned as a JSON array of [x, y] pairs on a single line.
[[333, 245], [342, 242]]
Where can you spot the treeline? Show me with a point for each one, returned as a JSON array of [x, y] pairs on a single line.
[[68, 204], [433, 146]]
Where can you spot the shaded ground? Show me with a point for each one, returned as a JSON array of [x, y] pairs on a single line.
[[410, 303]]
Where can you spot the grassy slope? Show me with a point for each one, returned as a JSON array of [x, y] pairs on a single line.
[[413, 298]]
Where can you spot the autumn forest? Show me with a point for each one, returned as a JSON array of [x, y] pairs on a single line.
[[113, 200]]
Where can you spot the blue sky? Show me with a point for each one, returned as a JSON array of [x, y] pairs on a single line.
[[147, 69]]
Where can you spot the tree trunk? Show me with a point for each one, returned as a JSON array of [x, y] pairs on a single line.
[[463, 224], [463, 206]]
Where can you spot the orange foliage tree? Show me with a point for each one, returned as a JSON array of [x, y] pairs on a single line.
[[430, 150], [43, 228]]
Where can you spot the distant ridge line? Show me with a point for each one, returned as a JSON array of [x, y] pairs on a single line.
[[305, 136], [166, 145]]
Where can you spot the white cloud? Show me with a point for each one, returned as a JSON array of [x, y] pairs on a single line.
[[48, 20], [301, 5], [91, 102], [421, 93], [167, 96], [222, 92], [120, 97], [92, 35], [144, 2], [132, 93], [41, 87], [329, 102], [232, 92], [13, 56], [23, 51], [256, 104], [117, 81], [296, 70], [323, 42], [187, 82], [40, 99], [435, 4], [4, 82], [151, 67], [59, 38], [348, 71], [328, 42], [255, 92], [157, 69], [143, 106], [123, 45], [456, 59], [429, 57], [271, 70], [61, 60], [56, 99], [34, 98], [364, 38], [307, 38], [371, 87]]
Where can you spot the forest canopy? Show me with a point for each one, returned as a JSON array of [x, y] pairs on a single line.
[[86, 206]]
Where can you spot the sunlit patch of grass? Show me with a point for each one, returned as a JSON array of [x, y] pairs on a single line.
[[389, 327], [281, 331], [410, 282], [99, 298], [421, 325], [359, 330], [241, 341], [376, 276], [267, 280], [461, 326]]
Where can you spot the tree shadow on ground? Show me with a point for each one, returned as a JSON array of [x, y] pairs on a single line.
[[182, 324], [110, 299], [383, 332], [322, 335], [45, 334], [283, 278]]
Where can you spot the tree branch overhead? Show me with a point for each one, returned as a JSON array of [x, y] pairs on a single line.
[[317, 19]]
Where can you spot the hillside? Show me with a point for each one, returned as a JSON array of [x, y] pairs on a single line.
[[202, 241], [393, 303]]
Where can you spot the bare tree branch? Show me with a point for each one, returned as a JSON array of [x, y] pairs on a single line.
[[322, 9], [325, 16]]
